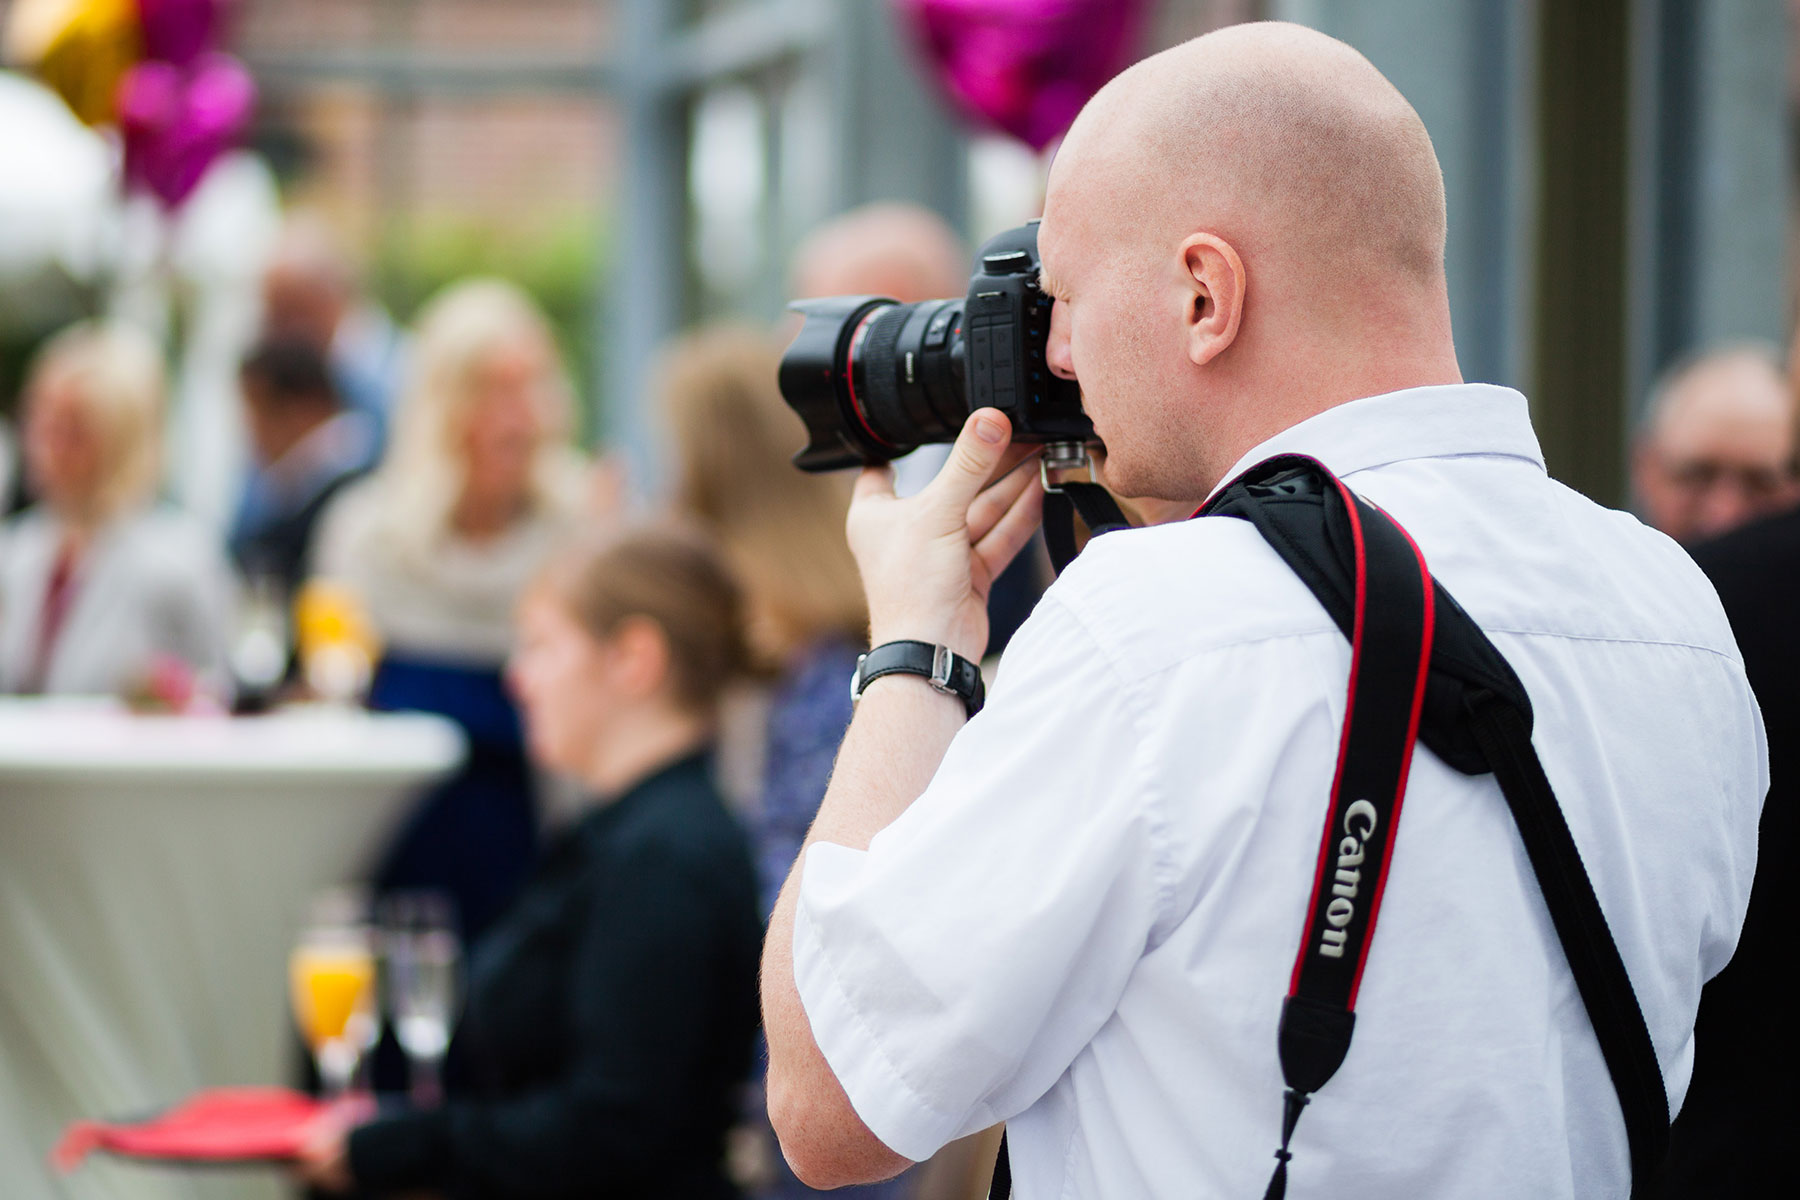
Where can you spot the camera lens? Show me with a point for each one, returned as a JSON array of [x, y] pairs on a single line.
[[874, 379], [911, 389]]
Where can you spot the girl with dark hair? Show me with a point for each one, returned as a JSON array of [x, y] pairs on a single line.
[[611, 1010]]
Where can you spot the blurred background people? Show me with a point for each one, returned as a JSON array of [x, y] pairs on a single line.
[[1730, 1138], [782, 530], [311, 297], [101, 587], [1716, 448], [306, 448], [783, 533], [905, 251], [311, 294], [478, 486], [611, 1011]]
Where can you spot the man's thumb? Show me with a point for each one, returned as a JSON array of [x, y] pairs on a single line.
[[979, 447]]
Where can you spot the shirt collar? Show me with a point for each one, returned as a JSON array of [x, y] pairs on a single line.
[[1446, 421]]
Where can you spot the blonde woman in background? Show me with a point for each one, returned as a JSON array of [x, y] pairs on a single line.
[[478, 487], [101, 587]]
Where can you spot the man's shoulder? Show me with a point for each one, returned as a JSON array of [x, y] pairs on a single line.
[[1150, 597]]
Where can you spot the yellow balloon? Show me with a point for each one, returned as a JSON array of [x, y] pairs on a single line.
[[79, 48]]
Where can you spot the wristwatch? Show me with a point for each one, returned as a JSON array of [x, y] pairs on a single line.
[[942, 668]]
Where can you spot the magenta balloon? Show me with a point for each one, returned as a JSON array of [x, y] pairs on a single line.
[[180, 123], [1024, 66], [220, 96], [179, 31], [148, 96]]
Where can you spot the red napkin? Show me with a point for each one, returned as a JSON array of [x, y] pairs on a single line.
[[245, 1124]]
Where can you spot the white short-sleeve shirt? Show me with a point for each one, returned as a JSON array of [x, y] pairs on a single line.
[[1085, 926]]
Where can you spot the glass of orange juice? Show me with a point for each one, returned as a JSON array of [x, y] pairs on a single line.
[[331, 975]]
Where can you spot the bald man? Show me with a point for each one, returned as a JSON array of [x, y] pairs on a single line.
[[1079, 912], [885, 249], [1717, 446]]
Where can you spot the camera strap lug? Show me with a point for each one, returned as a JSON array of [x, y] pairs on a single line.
[[1064, 456], [1064, 500]]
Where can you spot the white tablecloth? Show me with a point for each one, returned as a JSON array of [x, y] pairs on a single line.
[[153, 873]]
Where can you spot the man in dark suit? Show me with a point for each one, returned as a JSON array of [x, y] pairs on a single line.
[[306, 448], [1732, 1136]]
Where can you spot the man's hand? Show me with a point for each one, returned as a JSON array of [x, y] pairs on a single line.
[[928, 561]]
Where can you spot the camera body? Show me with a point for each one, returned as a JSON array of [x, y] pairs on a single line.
[[874, 379]]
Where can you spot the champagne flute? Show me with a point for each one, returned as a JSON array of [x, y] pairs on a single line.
[[259, 654], [331, 974], [422, 952]]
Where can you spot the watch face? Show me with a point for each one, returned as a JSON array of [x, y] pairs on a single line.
[[856, 678]]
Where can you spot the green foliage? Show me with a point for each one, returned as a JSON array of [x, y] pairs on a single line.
[[556, 261]]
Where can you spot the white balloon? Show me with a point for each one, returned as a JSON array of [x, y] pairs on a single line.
[[58, 185]]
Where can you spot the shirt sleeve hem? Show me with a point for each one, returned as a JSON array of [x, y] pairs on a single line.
[[892, 1110]]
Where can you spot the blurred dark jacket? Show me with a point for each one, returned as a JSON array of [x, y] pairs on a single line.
[[1731, 1138], [609, 1021], [272, 532]]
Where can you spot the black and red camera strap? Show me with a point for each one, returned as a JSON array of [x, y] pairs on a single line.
[[1470, 708], [1392, 617], [1421, 670]]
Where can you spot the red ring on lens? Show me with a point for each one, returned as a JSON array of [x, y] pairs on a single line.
[[856, 341]]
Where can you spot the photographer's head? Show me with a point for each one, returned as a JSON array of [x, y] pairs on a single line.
[[1241, 232]]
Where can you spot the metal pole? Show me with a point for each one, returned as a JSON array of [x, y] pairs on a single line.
[[1710, 183], [896, 141], [645, 298]]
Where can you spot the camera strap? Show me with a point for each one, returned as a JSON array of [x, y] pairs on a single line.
[[1421, 670], [1391, 615], [1469, 707], [1062, 502]]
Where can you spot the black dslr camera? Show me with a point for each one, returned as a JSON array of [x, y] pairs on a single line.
[[875, 379]]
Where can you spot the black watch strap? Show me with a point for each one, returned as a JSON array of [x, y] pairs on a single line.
[[941, 667]]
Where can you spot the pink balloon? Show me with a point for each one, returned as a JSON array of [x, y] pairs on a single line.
[[180, 31], [176, 124], [220, 96], [1024, 66], [149, 94]]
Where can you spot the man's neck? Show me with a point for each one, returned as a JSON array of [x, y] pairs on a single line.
[[1276, 405]]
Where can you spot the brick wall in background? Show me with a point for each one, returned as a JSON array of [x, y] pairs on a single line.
[[369, 160]]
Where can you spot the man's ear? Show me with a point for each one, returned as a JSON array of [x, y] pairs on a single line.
[[1215, 275]]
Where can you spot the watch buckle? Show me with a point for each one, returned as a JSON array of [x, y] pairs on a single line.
[[941, 663]]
